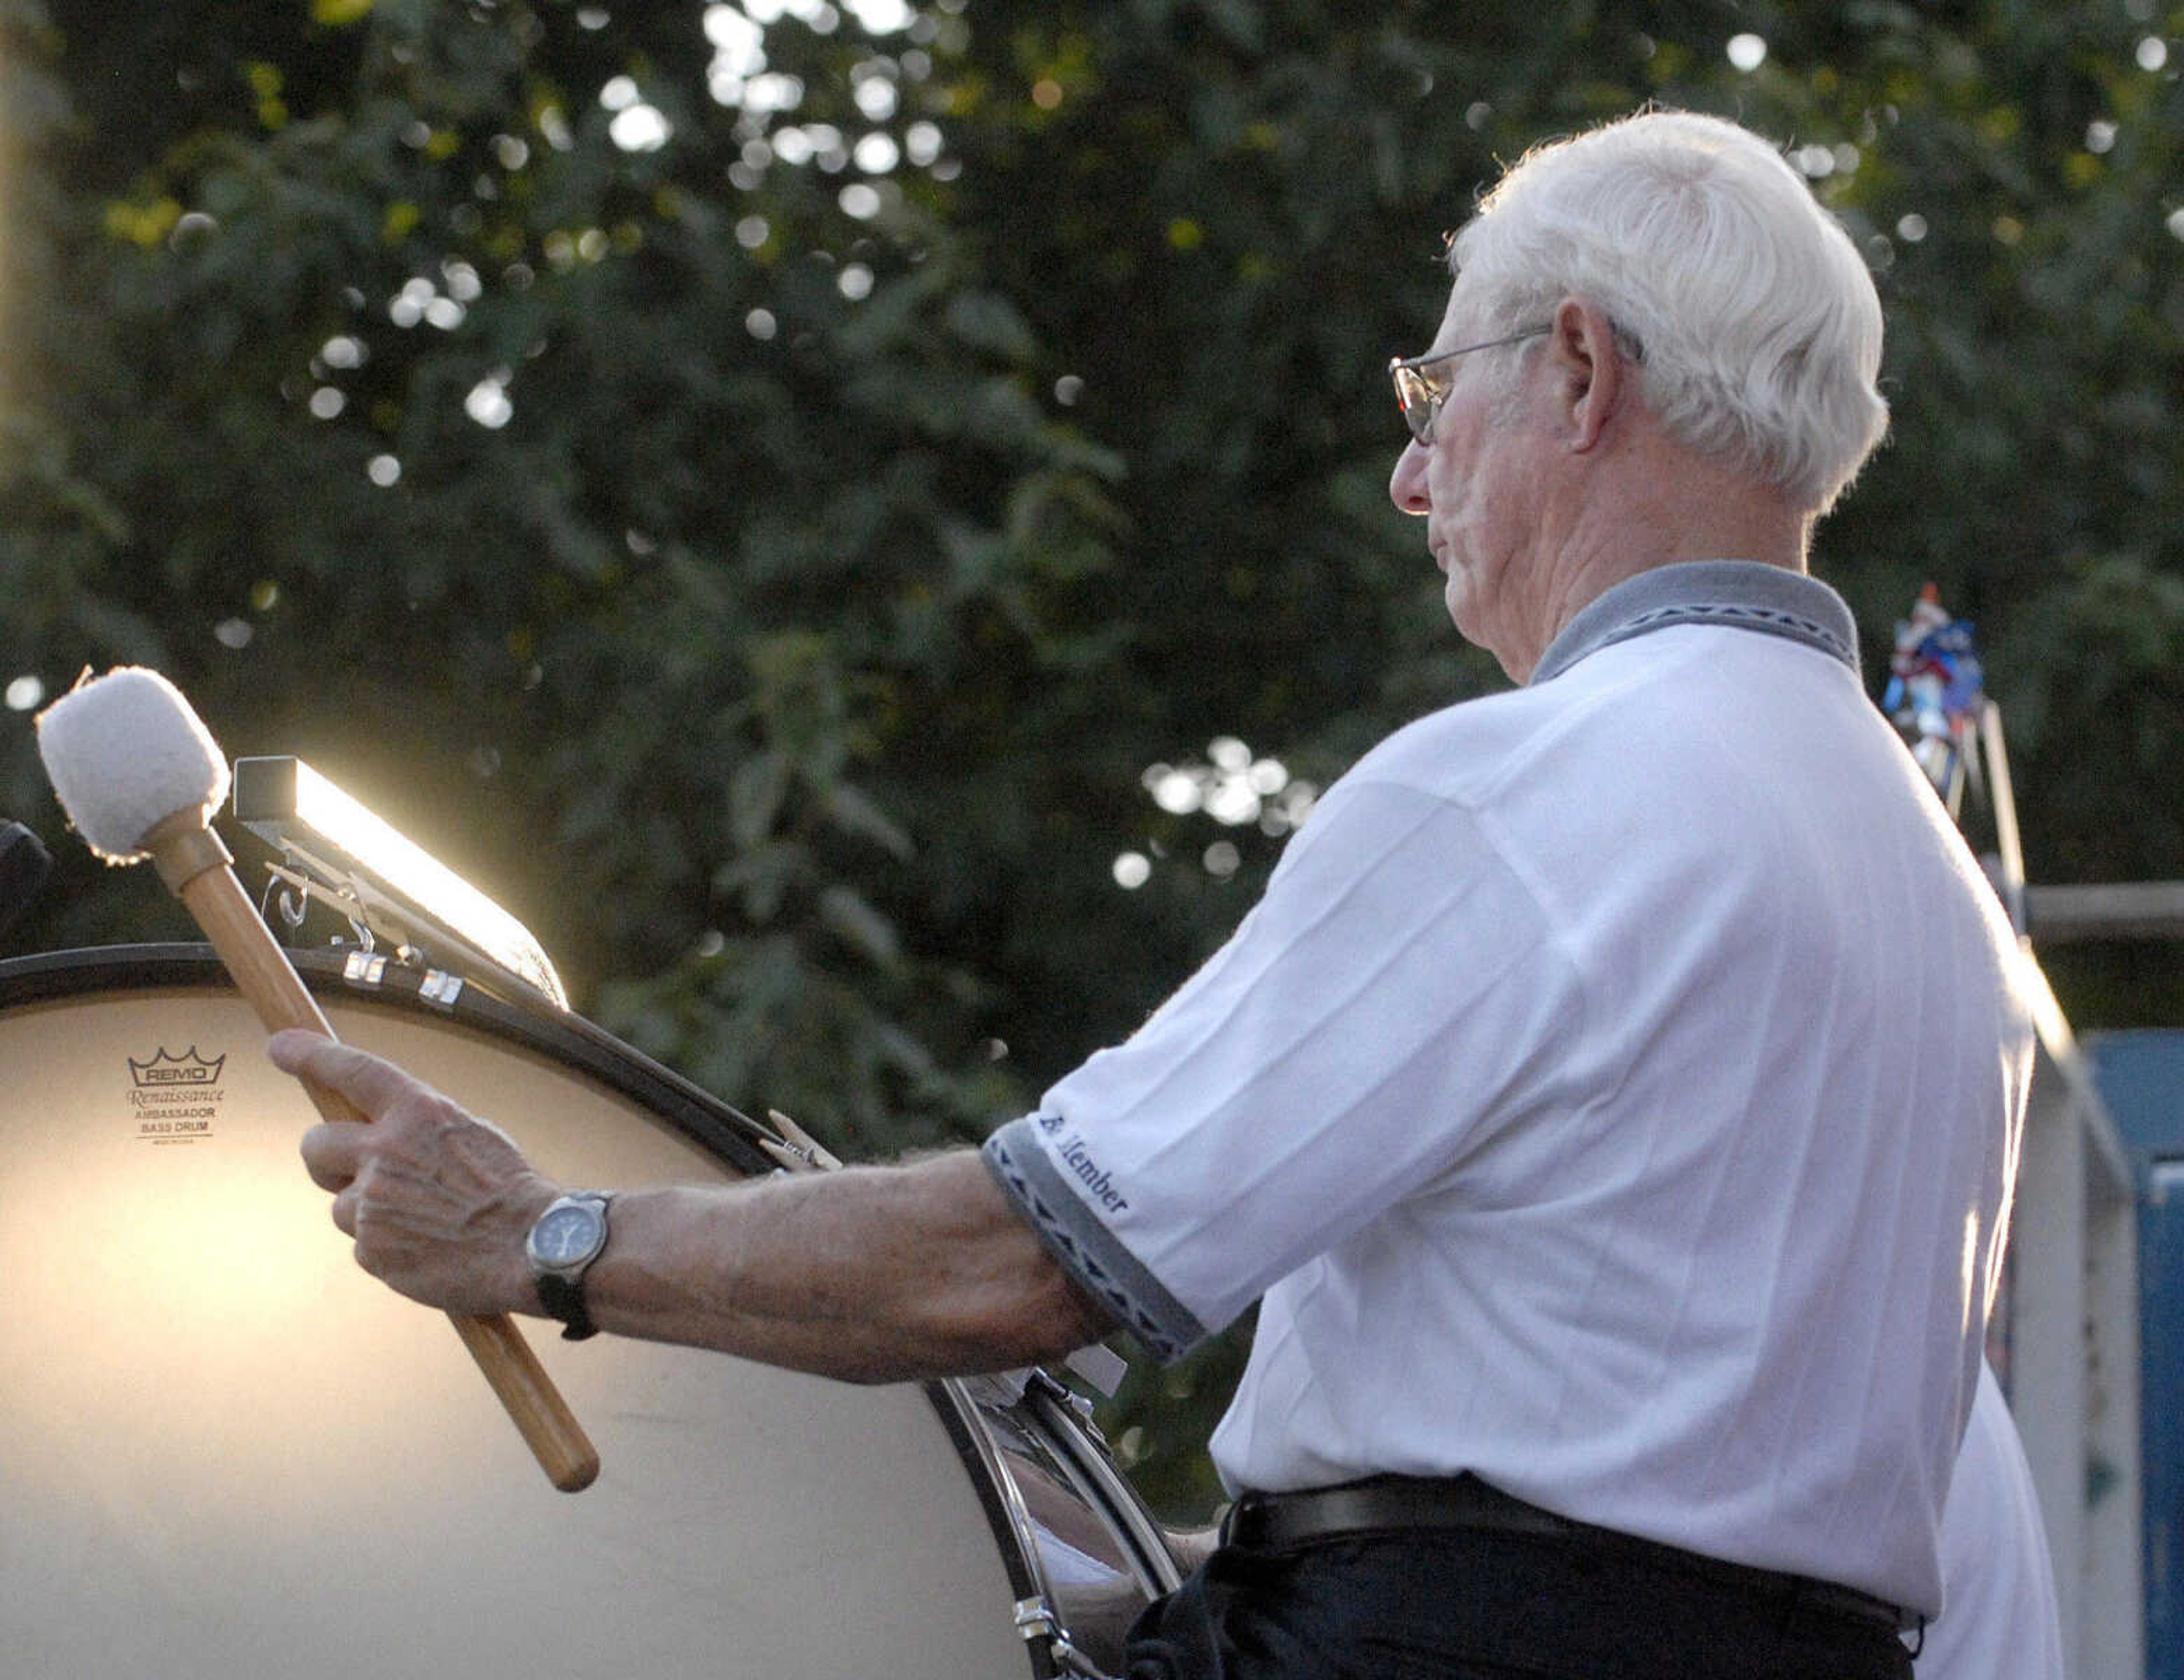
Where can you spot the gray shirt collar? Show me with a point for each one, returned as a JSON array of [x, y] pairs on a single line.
[[1741, 594]]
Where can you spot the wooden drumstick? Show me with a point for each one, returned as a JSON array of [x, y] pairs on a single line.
[[140, 776]]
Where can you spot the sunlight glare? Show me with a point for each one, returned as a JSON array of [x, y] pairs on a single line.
[[407, 307], [641, 128], [880, 17], [815, 15], [1177, 792], [772, 91], [1975, 1297], [736, 37], [488, 403], [875, 96], [1231, 802]]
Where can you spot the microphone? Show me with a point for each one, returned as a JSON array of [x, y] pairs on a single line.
[[24, 865]]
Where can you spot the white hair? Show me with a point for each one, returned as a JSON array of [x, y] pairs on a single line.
[[1756, 319]]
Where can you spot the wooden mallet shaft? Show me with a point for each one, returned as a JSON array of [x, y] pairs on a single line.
[[196, 865]]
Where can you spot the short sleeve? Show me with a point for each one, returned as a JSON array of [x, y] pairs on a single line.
[[1396, 995]]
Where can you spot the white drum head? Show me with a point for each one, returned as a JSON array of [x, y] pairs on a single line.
[[225, 1452]]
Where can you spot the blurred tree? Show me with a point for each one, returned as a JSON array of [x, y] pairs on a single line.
[[382, 319], [866, 524]]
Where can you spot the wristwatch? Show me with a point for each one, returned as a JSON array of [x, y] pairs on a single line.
[[563, 1243]]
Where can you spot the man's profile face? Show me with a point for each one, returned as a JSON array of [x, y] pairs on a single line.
[[1476, 483]]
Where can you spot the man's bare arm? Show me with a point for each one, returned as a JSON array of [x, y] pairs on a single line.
[[869, 1275]]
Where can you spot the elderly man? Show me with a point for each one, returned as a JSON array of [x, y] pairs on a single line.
[[1621, 1204]]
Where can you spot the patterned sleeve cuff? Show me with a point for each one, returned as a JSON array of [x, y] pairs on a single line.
[[1087, 1250]]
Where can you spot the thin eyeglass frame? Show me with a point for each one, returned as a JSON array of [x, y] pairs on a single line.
[[1405, 373]]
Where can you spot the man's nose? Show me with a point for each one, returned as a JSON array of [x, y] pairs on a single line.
[[1406, 485]]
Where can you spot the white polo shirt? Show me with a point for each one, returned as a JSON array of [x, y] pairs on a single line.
[[1615, 1093], [1998, 1612]]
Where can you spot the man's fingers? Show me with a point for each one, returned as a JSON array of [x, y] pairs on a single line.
[[371, 1084], [330, 1153], [333, 1151]]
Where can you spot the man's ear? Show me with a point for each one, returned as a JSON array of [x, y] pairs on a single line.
[[1581, 343]]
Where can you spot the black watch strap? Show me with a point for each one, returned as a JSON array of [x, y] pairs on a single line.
[[563, 1298]]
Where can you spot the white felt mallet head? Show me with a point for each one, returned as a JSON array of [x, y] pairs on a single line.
[[126, 755]]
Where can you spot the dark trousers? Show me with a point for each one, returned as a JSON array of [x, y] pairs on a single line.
[[1460, 1605]]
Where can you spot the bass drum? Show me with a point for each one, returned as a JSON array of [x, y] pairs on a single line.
[[226, 1452]]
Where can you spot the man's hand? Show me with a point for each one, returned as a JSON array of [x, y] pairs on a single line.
[[437, 1200]]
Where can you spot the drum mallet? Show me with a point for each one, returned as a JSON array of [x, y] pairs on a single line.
[[139, 776]]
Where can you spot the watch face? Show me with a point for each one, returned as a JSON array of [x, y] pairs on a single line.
[[565, 1235]]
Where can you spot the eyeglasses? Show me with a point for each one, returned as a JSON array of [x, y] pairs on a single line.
[[1420, 394]]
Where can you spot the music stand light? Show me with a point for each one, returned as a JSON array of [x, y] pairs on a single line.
[[385, 881]]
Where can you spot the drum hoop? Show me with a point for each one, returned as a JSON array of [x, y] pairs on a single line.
[[1004, 1506], [716, 1127], [686, 1108], [1047, 1399]]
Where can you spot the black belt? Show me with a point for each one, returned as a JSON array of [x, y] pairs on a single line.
[[1388, 1505]]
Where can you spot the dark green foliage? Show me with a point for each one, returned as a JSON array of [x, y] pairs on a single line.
[[790, 652]]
